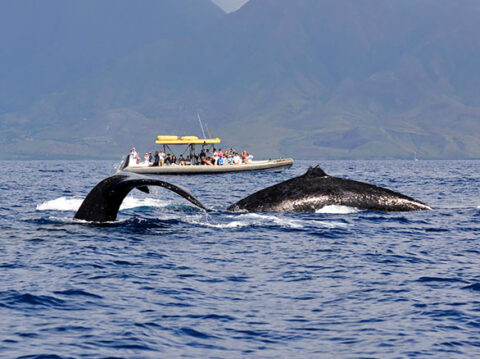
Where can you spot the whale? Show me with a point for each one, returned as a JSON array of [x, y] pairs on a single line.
[[315, 189], [309, 192], [103, 201]]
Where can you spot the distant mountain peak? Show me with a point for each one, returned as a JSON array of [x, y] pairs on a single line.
[[230, 5]]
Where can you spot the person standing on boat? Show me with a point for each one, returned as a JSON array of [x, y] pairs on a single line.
[[162, 157], [202, 157], [155, 160], [168, 159], [145, 160], [134, 157]]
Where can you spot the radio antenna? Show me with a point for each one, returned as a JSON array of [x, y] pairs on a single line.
[[200, 121], [208, 131]]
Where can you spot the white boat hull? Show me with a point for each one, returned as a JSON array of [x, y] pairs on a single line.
[[276, 165]]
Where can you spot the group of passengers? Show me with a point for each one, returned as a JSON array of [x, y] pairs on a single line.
[[214, 158]]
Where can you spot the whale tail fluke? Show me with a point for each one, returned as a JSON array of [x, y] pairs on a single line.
[[103, 201]]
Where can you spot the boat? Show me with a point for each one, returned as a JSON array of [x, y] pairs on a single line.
[[189, 145]]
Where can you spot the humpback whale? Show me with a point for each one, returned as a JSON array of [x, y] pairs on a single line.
[[315, 189], [307, 193], [104, 200]]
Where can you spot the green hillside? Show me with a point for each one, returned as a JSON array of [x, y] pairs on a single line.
[[309, 79]]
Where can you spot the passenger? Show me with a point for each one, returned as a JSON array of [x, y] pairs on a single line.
[[202, 156], [150, 157], [134, 157], [215, 156], [249, 157], [181, 161], [208, 161], [156, 160], [145, 160], [168, 160], [162, 157], [236, 159], [219, 153], [174, 160], [244, 156], [221, 161], [196, 160]]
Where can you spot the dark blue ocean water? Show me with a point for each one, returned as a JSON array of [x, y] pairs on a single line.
[[167, 280]]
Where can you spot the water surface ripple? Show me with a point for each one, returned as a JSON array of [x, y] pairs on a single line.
[[168, 280]]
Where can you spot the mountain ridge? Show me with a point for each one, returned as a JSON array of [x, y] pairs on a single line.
[[336, 79]]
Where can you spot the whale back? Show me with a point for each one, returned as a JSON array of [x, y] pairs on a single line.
[[315, 189], [278, 197]]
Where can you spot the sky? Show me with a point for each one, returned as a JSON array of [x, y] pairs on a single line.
[[230, 5]]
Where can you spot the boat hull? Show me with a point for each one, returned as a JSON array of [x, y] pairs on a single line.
[[276, 165]]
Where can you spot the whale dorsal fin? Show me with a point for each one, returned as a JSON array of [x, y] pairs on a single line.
[[315, 172]]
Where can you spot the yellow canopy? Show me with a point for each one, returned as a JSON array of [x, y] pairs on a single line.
[[185, 140]]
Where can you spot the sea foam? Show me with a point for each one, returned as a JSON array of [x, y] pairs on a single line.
[[334, 209], [73, 204]]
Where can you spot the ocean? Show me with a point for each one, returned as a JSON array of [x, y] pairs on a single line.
[[167, 280]]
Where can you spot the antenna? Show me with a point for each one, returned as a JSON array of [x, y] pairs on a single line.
[[208, 131], [200, 121]]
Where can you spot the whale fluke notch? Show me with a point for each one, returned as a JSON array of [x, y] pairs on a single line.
[[143, 189], [103, 201]]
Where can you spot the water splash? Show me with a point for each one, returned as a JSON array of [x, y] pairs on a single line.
[[60, 204], [260, 220], [72, 204], [334, 209]]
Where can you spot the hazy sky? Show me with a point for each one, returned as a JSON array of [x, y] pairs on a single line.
[[230, 5]]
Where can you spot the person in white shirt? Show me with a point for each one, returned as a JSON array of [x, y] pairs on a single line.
[[134, 157], [162, 157], [145, 160], [236, 159]]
